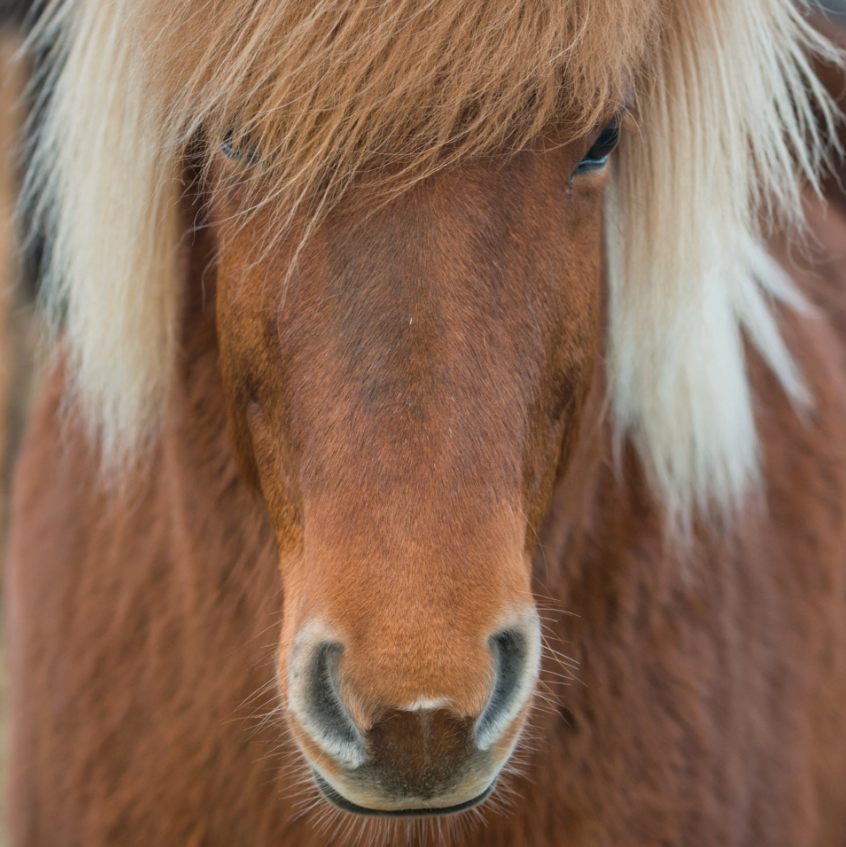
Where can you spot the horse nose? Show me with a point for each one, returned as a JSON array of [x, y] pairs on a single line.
[[512, 650], [430, 755]]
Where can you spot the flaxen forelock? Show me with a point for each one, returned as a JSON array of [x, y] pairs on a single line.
[[329, 92]]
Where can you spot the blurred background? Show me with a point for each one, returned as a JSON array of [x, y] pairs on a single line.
[[19, 330]]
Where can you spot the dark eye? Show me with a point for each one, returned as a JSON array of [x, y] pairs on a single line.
[[603, 147], [240, 148]]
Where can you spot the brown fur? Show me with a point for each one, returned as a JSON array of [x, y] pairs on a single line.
[[393, 450]]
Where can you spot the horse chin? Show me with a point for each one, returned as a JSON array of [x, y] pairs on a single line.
[[341, 802]]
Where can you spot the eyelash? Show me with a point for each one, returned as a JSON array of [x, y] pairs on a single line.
[[597, 157], [244, 152]]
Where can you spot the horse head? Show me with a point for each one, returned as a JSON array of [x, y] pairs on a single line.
[[404, 388]]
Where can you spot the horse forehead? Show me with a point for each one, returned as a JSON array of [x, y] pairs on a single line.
[[411, 305], [444, 240]]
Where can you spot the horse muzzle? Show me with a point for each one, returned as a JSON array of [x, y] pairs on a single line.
[[433, 756]]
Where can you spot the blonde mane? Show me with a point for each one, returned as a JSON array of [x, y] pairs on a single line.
[[726, 106]]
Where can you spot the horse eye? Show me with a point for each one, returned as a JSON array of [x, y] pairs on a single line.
[[241, 149], [603, 147]]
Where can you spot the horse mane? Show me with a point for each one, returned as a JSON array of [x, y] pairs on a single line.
[[726, 105]]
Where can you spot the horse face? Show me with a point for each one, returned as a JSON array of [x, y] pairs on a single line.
[[403, 399]]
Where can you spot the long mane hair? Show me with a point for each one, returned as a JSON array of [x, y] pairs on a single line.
[[727, 110]]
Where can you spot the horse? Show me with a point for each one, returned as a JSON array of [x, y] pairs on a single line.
[[443, 435]]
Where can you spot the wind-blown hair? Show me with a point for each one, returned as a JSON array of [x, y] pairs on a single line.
[[725, 103]]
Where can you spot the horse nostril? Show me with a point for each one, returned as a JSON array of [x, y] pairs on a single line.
[[333, 726], [511, 649]]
